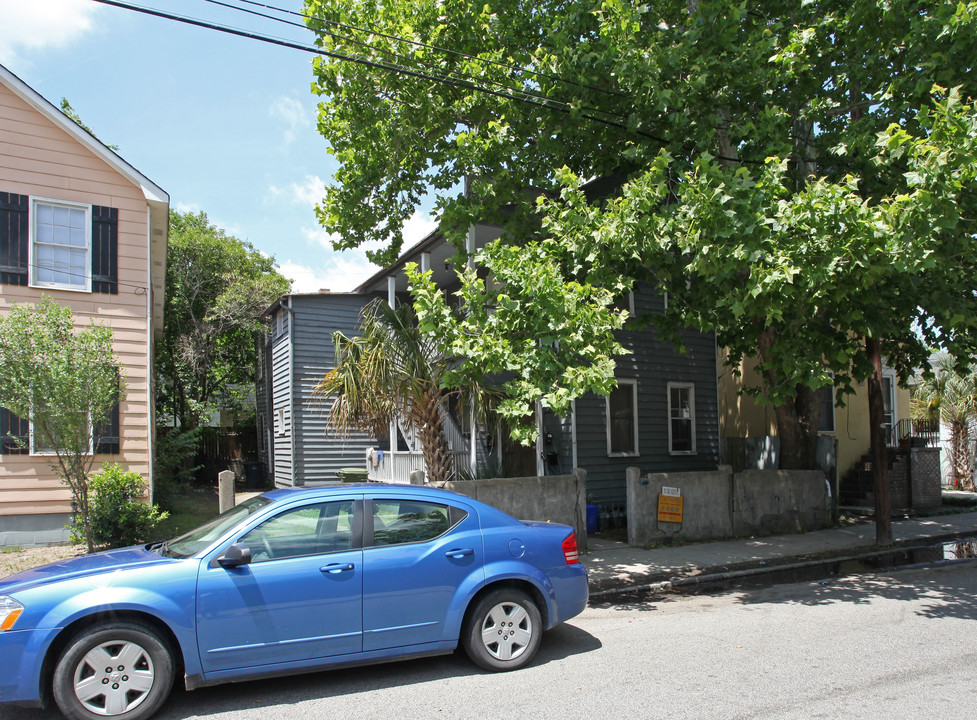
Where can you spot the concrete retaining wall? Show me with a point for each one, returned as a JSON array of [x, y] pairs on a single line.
[[722, 504], [557, 498]]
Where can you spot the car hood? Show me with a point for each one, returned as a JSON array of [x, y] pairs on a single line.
[[108, 561]]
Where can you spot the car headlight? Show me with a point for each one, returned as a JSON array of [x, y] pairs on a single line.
[[10, 610]]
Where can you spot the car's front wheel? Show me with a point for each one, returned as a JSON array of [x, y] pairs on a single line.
[[503, 630], [115, 670]]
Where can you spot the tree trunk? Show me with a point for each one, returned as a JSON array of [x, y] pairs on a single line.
[[797, 419], [880, 463], [797, 425], [434, 445]]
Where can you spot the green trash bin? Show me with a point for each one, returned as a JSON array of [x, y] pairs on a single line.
[[352, 475]]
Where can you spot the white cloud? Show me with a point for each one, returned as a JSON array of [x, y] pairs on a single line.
[[418, 227], [29, 26], [293, 114], [184, 208], [309, 192], [341, 272]]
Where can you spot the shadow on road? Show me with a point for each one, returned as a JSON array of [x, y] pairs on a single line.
[[947, 591]]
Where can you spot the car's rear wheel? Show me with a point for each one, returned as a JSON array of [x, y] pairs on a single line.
[[503, 630], [114, 670]]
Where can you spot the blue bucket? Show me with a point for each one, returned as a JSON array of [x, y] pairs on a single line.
[[591, 519]]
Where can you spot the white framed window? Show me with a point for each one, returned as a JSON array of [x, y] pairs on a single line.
[[625, 302], [60, 247], [39, 448], [889, 385], [622, 419], [826, 418], [681, 418]]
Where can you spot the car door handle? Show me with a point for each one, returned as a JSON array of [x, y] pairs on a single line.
[[459, 553], [334, 568]]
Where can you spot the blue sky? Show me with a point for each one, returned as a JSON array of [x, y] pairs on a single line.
[[223, 124]]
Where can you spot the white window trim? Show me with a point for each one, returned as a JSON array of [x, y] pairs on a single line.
[[623, 382], [668, 397], [834, 414], [52, 453], [33, 281]]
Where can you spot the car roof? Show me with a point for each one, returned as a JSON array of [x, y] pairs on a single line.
[[369, 489]]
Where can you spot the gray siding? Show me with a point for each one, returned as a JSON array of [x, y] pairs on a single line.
[[319, 449], [653, 364], [281, 414]]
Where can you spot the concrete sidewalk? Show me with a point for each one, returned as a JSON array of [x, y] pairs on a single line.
[[613, 566]]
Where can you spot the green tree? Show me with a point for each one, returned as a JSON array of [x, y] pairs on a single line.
[[216, 290], [796, 176], [64, 381], [950, 395], [393, 370], [76, 118]]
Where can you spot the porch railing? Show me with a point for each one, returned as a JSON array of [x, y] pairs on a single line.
[[396, 466], [918, 433]]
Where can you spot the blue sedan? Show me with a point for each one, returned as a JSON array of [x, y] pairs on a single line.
[[290, 581]]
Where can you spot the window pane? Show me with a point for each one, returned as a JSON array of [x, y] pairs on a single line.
[[680, 403], [826, 421], [681, 435], [396, 522], [622, 420], [681, 419], [308, 530], [61, 245]]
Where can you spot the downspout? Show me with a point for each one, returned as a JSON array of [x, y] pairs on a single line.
[[150, 356], [293, 437]]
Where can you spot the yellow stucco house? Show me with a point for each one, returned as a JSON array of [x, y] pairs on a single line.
[[81, 225], [848, 426]]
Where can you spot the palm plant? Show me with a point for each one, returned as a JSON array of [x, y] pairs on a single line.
[[393, 370], [950, 394]]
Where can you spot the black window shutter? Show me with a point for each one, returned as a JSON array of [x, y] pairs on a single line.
[[107, 432], [11, 424], [105, 250], [14, 237]]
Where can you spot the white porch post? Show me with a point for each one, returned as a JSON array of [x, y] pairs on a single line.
[[470, 247], [540, 469], [392, 291]]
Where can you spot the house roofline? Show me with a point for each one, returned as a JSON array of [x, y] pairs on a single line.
[[430, 240], [153, 192]]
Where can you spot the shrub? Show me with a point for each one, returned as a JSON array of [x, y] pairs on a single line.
[[174, 470], [118, 514]]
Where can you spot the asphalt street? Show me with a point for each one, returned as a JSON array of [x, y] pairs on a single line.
[[895, 645]]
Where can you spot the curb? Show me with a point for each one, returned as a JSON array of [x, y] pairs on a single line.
[[663, 583]]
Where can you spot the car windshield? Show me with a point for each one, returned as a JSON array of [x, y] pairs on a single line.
[[196, 540]]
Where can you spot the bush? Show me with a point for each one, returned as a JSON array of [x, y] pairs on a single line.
[[119, 516], [174, 470]]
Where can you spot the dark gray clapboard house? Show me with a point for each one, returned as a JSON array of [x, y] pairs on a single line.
[[662, 418], [293, 441]]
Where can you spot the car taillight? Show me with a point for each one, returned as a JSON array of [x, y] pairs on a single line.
[[570, 552]]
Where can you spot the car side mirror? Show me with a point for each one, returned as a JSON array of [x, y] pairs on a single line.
[[235, 556]]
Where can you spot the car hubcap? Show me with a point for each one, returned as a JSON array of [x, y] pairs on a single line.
[[507, 631], [113, 678]]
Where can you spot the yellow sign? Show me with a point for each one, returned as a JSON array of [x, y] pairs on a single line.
[[669, 509]]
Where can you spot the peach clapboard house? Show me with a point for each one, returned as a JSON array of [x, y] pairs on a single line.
[[81, 225]]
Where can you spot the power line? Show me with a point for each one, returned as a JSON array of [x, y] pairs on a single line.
[[404, 60], [466, 84], [447, 51]]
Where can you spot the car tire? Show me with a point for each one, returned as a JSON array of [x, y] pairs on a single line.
[[503, 630], [113, 670]]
